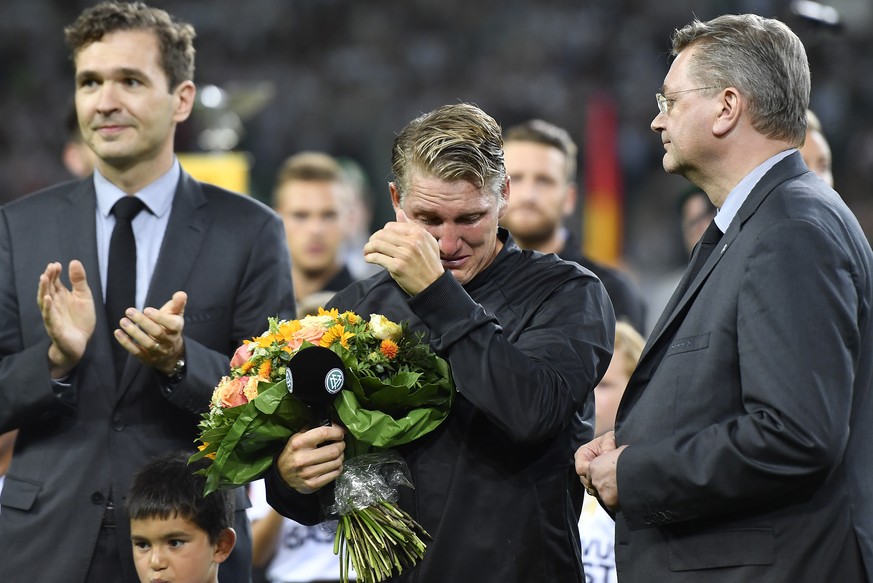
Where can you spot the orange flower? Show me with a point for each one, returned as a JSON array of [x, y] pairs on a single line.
[[246, 367], [336, 334], [265, 369], [389, 348]]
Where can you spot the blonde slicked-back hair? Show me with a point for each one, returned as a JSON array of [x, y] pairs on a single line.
[[451, 143]]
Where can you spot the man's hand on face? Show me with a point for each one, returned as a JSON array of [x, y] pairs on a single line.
[[409, 253]]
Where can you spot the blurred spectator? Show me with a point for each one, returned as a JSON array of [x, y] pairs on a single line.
[[76, 155], [311, 196], [287, 551], [816, 151], [541, 161], [596, 527], [358, 216], [314, 199]]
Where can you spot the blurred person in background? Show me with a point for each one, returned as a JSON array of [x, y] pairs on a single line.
[[541, 162], [77, 157], [816, 151], [97, 385], [358, 216], [696, 211], [743, 448], [315, 200], [311, 196], [596, 527]]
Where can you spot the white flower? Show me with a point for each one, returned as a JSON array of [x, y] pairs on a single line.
[[383, 328]]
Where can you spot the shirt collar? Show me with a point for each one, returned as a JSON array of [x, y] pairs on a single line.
[[157, 196], [741, 191]]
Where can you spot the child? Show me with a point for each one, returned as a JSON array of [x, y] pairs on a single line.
[[178, 535]]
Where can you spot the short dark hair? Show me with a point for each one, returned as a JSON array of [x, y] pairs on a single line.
[[175, 38], [548, 134], [168, 487]]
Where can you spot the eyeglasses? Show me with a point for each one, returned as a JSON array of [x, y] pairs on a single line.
[[664, 102]]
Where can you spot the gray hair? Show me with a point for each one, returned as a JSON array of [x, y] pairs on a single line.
[[763, 59], [451, 143]]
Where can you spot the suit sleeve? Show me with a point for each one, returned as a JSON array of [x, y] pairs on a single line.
[[531, 385], [26, 392], [796, 347]]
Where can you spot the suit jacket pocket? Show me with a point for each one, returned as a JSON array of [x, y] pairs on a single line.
[[688, 344], [19, 494], [734, 547], [197, 316]]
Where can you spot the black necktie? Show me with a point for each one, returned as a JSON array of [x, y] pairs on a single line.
[[121, 273], [708, 242]]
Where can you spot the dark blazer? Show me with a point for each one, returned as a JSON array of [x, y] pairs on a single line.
[[749, 419], [227, 252]]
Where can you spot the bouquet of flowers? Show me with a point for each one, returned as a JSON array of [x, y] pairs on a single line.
[[396, 391]]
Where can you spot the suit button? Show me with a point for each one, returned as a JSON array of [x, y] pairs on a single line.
[[97, 498], [117, 422], [647, 519]]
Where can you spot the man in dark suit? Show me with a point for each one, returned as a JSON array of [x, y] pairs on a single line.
[[88, 419], [743, 448]]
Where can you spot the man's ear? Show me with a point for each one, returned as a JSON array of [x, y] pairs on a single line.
[[395, 195], [184, 95], [504, 198], [225, 544], [731, 107]]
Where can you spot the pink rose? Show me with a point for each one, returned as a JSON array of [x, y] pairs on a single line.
[[231, 393], [311, 334], [241, 356]]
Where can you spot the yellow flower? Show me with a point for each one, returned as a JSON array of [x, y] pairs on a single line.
[[287, 329], [333, 313], [389, 348], [336, 334], [351, 317], [204, 446]]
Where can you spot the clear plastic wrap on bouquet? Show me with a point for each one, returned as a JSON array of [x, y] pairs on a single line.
[[373, 534], [369, 479]]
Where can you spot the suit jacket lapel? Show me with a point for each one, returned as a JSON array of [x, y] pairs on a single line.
[[186, 231], [78, 234]]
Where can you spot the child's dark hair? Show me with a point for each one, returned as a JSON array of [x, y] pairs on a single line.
[[168, 487]]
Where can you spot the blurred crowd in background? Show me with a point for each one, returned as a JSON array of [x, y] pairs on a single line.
[[343, 76]]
